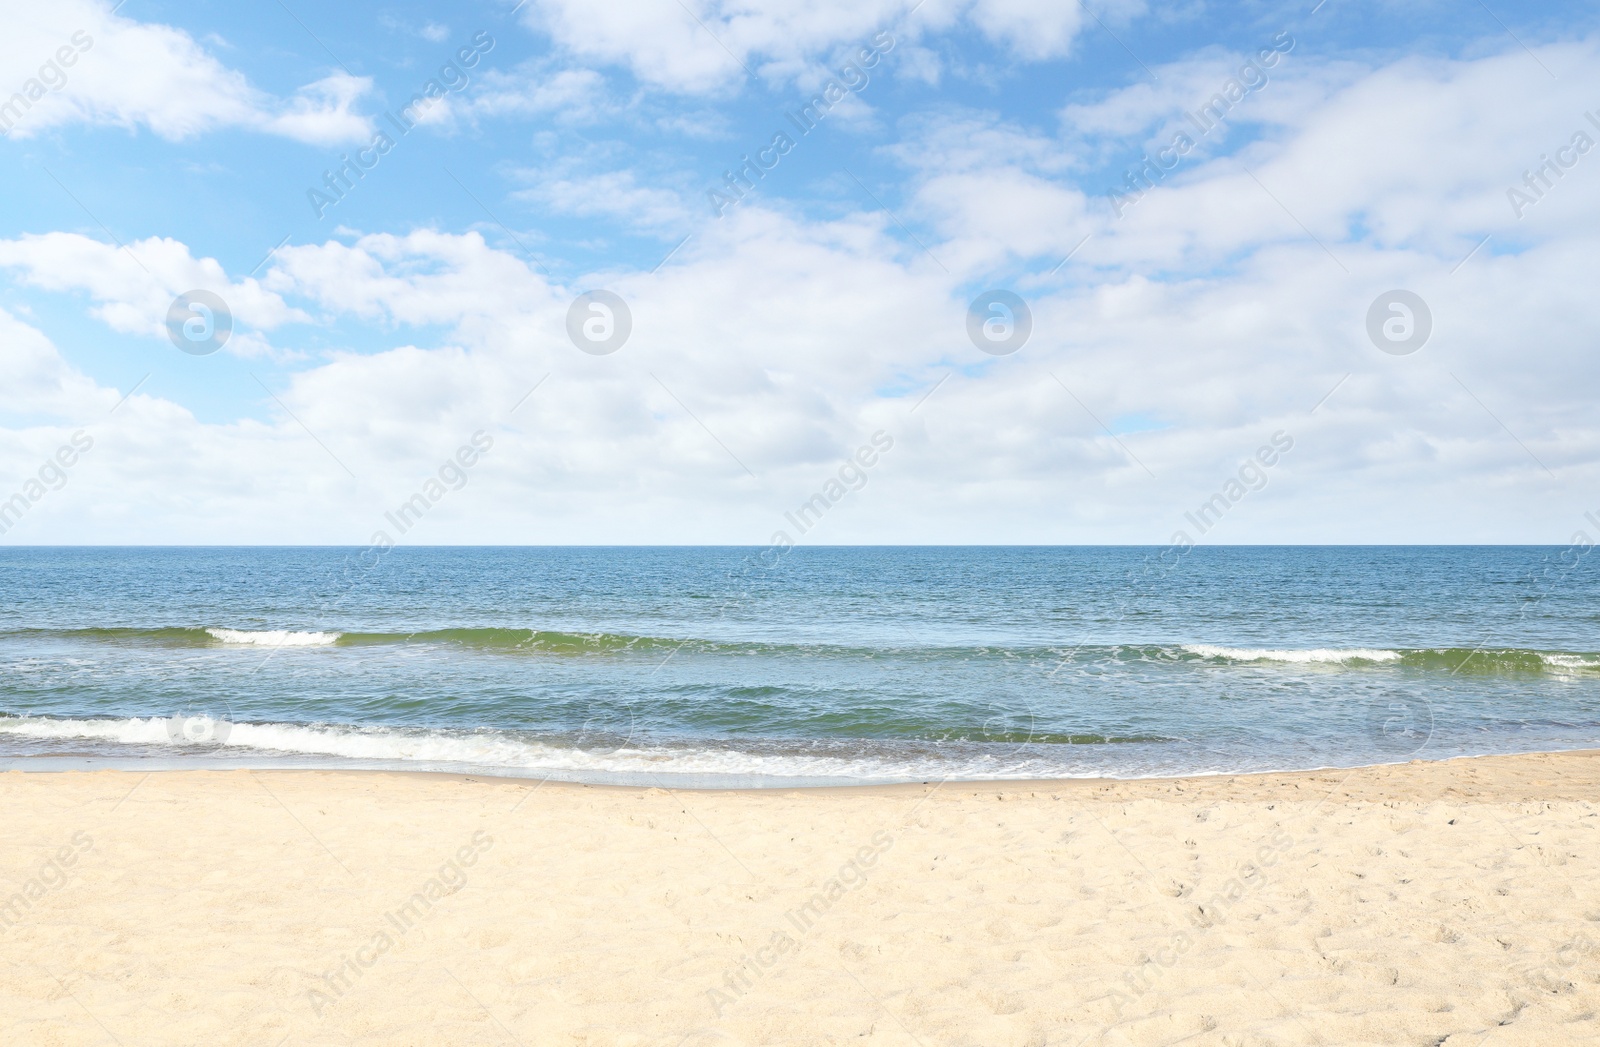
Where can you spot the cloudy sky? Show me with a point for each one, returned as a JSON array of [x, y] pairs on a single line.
[[806, 209]]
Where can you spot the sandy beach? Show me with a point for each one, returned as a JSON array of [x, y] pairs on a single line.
[[1445, 903]]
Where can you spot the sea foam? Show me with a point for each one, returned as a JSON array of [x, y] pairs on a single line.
[[500, 752], [274, 637], [1272, 654], [1571, 661]]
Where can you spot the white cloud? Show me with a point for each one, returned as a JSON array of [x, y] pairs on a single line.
[[321, 113], [1031, 28], [616, 194], [423, 278], [714, 42], [38, 380], [1455, 135], [133, 287], [433, 32], [74, 61], [539, 89], [1195, 327]]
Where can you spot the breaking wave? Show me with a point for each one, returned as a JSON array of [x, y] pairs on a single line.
[[576, 757], [1269, 654], [273, 637]]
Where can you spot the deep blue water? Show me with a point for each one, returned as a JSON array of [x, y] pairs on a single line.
[[722, 665]]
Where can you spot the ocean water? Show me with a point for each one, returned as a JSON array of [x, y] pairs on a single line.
[[727, 666]]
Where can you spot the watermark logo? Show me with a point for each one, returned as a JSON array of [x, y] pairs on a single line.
[[199, 322], [1569, 964], [52, 475], [202, 722], [599, 322], [1539, 181], [1251, 476], [1008, 726], [452, 475], [852, 78], [52, 76], [55, 872], [850, 477], [999, 322], [411, 914], [1399, 322], [604, 731], [761, 962], [1252, 76], [198, 729], [1399, 724], [452, 78]]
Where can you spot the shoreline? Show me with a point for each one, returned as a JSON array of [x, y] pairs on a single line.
[[955, 785]]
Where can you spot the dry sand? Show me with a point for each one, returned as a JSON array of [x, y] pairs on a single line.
[[1446, 903]]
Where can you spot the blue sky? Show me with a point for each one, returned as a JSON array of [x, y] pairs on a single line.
[[1379, 148]]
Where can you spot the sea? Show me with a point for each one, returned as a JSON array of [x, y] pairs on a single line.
[[742, 667]]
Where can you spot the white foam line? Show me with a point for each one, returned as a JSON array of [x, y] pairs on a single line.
[[1571, 661], [497, 750], [1271, 654], [274, 637]]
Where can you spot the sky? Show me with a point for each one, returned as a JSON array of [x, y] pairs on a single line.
[[824, 272]]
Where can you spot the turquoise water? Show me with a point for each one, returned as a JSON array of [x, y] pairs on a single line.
[[711, 666]]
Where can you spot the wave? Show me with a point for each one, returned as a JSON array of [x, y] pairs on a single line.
[[273, 637], [501, 639], [493, 639], [487, 638], [1572, 661], [597, 757], [1479, 660], [1452, 660], [1316, 654]]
